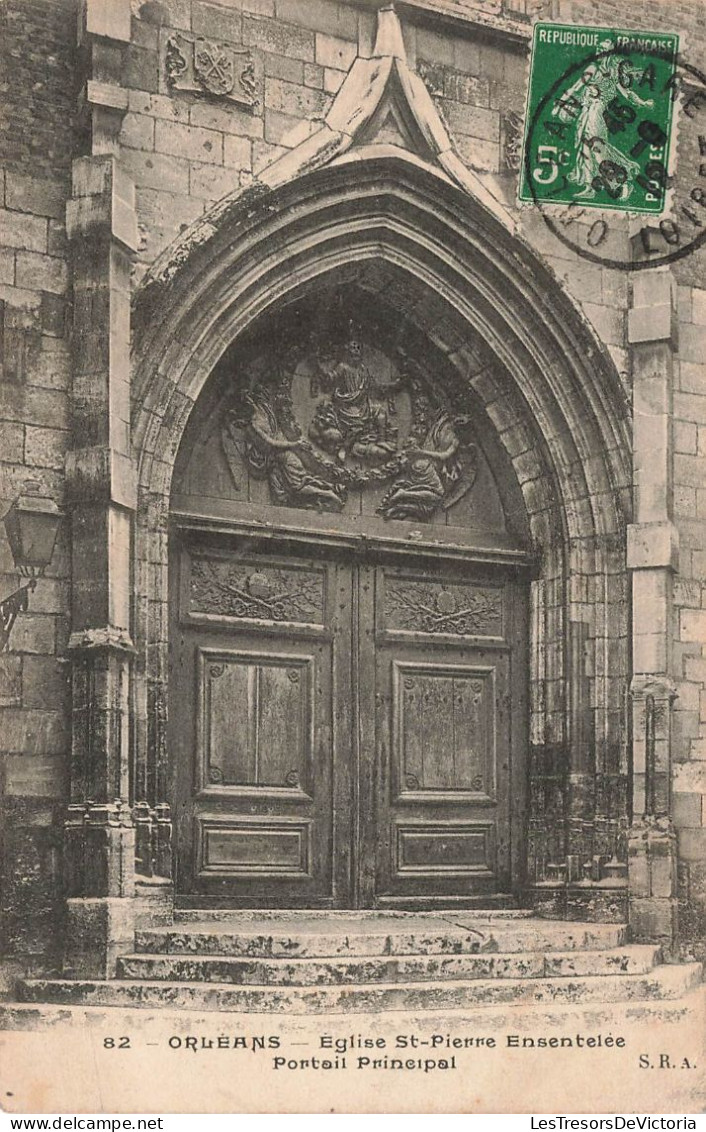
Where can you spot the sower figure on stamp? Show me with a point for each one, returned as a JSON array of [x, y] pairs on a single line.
[[588, 102]]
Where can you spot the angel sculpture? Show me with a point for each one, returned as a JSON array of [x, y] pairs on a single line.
[[274, 449], [437, 471]]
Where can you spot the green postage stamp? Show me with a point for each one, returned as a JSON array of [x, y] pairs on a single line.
[[600, 110]]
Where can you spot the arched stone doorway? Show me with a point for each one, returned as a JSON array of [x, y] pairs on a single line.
[[554, 432], [348, 619]]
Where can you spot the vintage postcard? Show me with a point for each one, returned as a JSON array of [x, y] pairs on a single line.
[[353, 501]]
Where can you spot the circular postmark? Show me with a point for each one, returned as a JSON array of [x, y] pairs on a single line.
[[602, 142]]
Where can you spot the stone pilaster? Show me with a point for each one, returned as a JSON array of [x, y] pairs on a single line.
[[652, 559], [101, 223]]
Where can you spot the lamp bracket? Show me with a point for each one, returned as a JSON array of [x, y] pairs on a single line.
[[14, 603]]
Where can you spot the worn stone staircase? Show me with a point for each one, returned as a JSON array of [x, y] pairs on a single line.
[[328, 962]]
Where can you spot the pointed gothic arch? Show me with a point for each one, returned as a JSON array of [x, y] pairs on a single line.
[[392, 223]]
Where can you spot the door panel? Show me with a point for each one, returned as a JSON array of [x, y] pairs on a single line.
[[442, 734], [262, 659], [257, 719]]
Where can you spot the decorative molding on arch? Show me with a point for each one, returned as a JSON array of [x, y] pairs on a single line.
[[399, 222], [474, 275]]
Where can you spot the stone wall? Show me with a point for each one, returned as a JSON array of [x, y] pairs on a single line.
[[185, 150], [36, 145]]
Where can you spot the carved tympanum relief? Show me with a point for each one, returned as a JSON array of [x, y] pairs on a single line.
[[323, 423]]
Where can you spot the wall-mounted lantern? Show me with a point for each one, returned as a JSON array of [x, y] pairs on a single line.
[[31, 524]]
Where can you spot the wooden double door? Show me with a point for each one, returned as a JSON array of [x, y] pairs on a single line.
[[346, 731]]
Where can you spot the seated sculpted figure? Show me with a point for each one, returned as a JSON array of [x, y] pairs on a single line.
[[430, 472], [285, 459], [353, 420]]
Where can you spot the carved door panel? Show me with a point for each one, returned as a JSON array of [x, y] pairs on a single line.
[[261, 659], [443, 825]]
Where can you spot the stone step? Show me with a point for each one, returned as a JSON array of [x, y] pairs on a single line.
[[679, 1012], [487, 906], [382, 969], [665, 982], [319, 937]]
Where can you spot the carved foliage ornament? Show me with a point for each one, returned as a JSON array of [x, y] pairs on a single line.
[[218, 69], [239, 590], [427, 607], [322, 425]]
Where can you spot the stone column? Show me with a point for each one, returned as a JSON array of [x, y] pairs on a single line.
[[652, 558], [99, 846]]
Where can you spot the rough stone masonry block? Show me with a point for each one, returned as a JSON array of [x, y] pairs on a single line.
[[237, 154], [651, 324], [653, 288], [213, 22], [698, 306], [320, 15], [10, 680], [229, 120], [686, 810], [652, 545], [297, 101], [690, 777], [19, 230], [692, 844], [291, 70], [685, 435], [45, 682], [109, 19], [36, 776], [333, 80], [211, 182], [692, 625], [40, 196], [282, 39], [12, 442], [137, 131], [334, 52], [158, 171], [142, 69], [39, 272], [653, 919], [7, 266], [45, 447], [34, 633], [97, 931], [192, 142], [692, 378], [692, 343], [34, 732], [473, 121]]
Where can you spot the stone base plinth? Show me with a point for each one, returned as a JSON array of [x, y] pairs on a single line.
[[98, 930]]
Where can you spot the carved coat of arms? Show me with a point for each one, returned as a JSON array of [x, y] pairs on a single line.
[[218, 69], [323, 427]]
